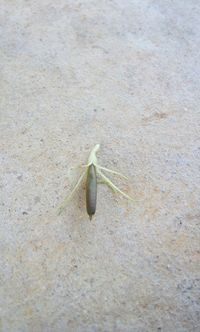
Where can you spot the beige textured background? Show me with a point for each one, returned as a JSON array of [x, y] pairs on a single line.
[[124, 74]]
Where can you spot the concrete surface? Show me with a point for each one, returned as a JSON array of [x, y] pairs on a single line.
[[124, 74]]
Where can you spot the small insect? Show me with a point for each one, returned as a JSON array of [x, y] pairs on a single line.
[[92, 170]]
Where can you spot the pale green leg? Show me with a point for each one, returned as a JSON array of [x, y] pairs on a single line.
[[67, 199], [104, 182], [111, 171], [112, 185]]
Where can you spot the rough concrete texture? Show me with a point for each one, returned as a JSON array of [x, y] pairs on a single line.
[[124, 74]]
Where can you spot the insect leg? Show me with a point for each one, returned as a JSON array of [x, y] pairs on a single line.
[[111, 171], [112, 185], [67, 199]]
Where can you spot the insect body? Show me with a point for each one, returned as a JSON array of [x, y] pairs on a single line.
[[91, 190], [93, 169]]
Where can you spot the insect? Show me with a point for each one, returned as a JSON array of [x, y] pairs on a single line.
[[92, 171]]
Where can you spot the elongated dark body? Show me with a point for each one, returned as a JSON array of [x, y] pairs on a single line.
[[91, 191]]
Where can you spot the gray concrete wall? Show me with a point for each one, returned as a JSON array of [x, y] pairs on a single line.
[[124, 74]]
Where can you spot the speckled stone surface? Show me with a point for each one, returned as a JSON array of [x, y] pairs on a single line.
[[124, 74]]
